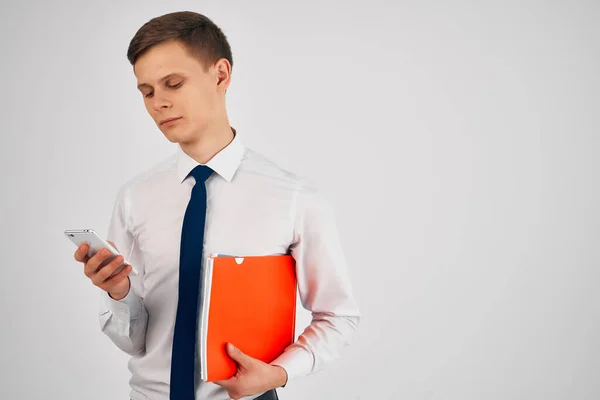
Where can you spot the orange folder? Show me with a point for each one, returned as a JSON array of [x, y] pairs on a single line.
[[249, 302]]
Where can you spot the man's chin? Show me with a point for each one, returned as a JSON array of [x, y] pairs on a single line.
[[174, 137]]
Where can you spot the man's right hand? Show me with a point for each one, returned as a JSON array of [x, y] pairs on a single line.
[[118, 286]]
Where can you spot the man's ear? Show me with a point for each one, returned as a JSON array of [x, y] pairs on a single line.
[[223, 71]]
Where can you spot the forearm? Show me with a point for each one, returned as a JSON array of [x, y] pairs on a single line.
[[124, 321], [321, 343]]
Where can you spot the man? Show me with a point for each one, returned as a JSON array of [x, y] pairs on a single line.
[[225, 198]]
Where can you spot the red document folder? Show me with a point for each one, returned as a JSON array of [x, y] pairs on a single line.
[[249, 302]]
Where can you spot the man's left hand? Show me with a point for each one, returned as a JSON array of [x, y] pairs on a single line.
[[252, 376]]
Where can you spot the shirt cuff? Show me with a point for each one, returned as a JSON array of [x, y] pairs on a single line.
[[129, 307], [296, 361]]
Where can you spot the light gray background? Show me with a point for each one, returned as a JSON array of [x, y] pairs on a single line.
[[457, 140]]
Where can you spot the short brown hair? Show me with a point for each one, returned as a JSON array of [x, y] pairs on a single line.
[[202, 38]]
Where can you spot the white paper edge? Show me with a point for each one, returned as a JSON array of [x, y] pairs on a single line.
[[206, 280]]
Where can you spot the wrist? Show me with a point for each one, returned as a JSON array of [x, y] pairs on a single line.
[[120, 295], [117, 296], [281, 376]]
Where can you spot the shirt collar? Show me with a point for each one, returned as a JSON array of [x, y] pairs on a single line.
[[225, 162]]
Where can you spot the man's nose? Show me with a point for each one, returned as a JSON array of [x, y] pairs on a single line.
[[160, 102]]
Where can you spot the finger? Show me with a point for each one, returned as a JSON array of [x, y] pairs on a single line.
[[105, 272], [81, 253], [237, 355], [226, 383], [91, 267], [110, 282], [112, 244]]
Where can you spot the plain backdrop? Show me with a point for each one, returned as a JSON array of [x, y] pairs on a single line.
[[457, 140]]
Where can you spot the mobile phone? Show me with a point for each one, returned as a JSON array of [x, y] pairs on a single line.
[[96, 243]]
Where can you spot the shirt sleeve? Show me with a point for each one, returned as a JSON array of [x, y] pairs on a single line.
[[125, 321], [324, 287]]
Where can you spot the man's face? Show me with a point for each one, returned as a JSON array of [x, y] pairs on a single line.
[[174, 85]]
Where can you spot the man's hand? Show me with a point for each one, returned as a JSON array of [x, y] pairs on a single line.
[[252, 376], [118, 285]]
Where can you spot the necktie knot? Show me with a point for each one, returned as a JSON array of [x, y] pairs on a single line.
[[201, 173]]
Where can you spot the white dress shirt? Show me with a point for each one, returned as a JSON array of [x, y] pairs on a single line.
[[254, 207]]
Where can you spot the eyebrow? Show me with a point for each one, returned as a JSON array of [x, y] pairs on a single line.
[[164, 78]]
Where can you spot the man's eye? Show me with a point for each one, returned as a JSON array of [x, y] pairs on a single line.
[[171, 86]]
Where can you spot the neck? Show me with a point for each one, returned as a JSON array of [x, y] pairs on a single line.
[[209, 143]]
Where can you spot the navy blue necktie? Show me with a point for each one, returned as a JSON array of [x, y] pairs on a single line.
[[192, 241]]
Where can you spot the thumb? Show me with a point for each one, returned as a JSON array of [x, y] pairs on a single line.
[[237, 354]]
